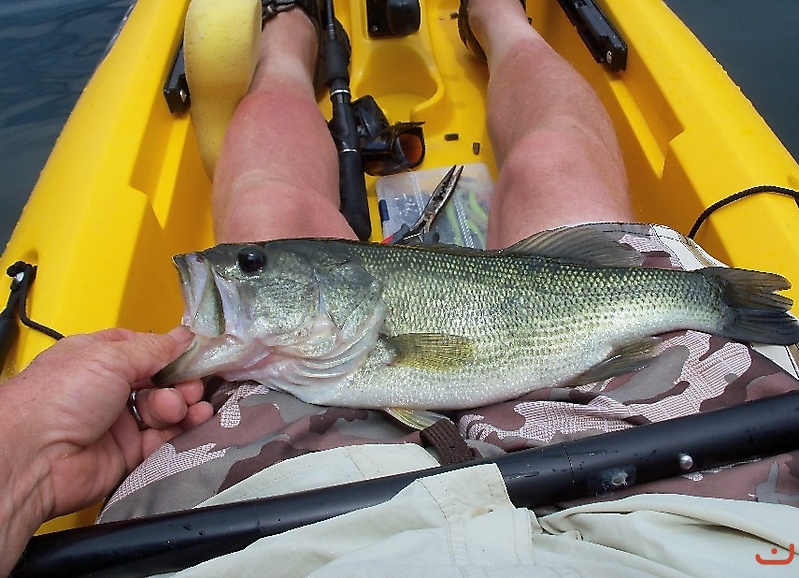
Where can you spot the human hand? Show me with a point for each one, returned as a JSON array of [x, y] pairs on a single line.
[[70, 423]]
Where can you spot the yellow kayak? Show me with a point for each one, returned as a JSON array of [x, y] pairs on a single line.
[[126, 185]]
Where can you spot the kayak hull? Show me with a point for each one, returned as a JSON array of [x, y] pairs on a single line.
[[125, 187]]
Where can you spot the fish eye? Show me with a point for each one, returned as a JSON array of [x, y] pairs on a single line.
[[251, 259]]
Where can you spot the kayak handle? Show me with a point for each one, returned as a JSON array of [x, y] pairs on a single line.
[[598, 34]]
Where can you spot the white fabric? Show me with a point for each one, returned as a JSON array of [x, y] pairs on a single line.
[[462, 523]]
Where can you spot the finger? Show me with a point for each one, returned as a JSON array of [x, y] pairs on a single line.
[[133, 357], [114, 334], [156, 350], [138, 356], [165, 408], [165, 411], [153, 438], [197, 414], [192, 391], [161, 408]]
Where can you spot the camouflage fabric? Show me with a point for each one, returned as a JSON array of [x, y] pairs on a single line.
[[255, 427]]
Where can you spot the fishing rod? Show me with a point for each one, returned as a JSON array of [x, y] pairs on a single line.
[[343, 127], [535, 477]]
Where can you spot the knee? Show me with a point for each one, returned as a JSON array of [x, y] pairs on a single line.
[[564, 155], [269, 209]]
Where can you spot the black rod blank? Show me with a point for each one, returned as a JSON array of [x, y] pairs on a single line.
[[344, 129]]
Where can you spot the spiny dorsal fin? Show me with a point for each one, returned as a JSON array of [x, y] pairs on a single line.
[[437, 351], [585, 244]]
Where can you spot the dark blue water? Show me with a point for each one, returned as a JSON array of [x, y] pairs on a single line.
[[48, 49], [757, 43]]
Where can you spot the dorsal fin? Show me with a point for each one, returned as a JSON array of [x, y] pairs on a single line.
[[584, 244]]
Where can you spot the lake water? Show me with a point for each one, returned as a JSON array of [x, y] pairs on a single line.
[[50, 47], [757, 42]]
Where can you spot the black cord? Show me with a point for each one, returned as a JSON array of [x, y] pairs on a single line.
[[23, 275], [738, 196]]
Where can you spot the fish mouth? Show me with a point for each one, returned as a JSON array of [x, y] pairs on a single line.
[[205, 356], [203, 311], [203, 314]]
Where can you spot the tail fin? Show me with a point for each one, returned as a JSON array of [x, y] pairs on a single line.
[[756, 312]]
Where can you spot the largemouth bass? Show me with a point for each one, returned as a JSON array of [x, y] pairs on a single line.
[[367, 325]]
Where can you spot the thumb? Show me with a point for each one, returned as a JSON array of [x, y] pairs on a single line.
[[153, 352], [137, 356]]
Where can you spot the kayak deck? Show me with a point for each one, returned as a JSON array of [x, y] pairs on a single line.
[[124, 188]]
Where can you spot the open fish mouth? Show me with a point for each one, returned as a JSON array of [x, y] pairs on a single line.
[[203, 309], [204, 314]]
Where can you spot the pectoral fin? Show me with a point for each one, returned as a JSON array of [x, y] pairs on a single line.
[[436, 351], [628, 357]]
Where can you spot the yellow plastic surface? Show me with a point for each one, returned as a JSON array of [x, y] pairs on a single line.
[[125, 187], [690, 137], [221, 47]]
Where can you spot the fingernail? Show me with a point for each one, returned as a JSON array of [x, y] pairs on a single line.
[[181, 333]]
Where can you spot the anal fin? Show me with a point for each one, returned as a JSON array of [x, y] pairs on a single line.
[[623, 359]]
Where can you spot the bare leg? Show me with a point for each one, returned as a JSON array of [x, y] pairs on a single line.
[[277, 174], [559, 161]]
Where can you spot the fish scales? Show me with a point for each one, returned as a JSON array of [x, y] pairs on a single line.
[[378, 326], [535, 321]]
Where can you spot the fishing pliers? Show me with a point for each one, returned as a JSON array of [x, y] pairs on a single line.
[[419, 232]]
